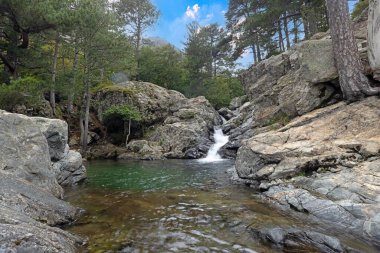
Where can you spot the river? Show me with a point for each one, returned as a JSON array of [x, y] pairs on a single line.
[[175, 206]]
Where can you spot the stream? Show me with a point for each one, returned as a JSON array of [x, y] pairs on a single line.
[[175, 206]]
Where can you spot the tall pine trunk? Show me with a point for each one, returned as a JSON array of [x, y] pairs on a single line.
[[85, 108], [70, 99], [254, 53], [374, 37], [286, 30], [295, 27], [258, 52], [138, 45], [54, 73], [280, 37], [353, 82]]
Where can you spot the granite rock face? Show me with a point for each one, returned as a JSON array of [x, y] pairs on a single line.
[[34, 157], [283, 87], [25, 152], [325, 163], [175, 126], [288, 85]]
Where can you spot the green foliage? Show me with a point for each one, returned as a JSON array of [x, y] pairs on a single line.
[[162, 66], [27, 91], [269, 27], [136, 16], [222, 89], [123, 112], [206, 56], [360, 7]]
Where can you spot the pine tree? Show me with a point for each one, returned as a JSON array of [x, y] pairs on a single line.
[[353, 82]]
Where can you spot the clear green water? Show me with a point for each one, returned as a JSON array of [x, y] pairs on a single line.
[[174, 206]]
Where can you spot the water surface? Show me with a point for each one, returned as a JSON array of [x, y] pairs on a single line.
[[173, 206]]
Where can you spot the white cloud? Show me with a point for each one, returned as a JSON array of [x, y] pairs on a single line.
[[192, 12]]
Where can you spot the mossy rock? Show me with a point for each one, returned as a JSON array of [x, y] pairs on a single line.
[[185, 114]]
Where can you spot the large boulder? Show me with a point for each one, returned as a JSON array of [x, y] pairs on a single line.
[[154, 102], [187, 131], [325, 163], [35, 162], [25, 152], [374, 37], [176, 127]]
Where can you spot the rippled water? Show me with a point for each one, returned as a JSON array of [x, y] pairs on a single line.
[[171, 206]]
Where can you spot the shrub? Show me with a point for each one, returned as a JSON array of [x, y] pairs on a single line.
[[26, 91], [126, 113], [222, 90]]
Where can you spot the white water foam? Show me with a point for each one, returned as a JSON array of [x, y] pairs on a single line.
[[220, 141]]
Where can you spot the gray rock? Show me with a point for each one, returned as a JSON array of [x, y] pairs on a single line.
[[56, 133], [20, 233], [23, 197], [227, 113], [29, 187], [142, 149], [25, 152], [237, 102], [317, 164], [70, 170], [297, 239]]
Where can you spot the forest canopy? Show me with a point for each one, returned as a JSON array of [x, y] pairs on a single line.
[[60, 50]]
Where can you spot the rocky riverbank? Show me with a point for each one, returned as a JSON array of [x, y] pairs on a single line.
[[304, 149], [325, 163], [35, 163]]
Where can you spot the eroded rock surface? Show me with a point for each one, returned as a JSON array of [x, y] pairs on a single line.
[[33, 155], [325, 163]]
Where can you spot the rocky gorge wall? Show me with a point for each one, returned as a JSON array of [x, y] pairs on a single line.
[[301, 146], [35, 163], [286, 86]]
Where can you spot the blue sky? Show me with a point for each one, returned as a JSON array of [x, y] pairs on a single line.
[[176, 14]]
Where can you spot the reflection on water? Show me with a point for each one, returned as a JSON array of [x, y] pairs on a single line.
[[171, 206]]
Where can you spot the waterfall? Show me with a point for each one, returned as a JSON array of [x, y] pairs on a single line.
[[220, 141]]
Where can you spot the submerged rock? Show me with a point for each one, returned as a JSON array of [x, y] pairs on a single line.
[[35, 162], [297, 239]]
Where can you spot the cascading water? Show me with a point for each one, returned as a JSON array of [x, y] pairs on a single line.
[[220, 141]]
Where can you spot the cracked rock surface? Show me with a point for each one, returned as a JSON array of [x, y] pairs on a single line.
[[325, 164], [35, 162]]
